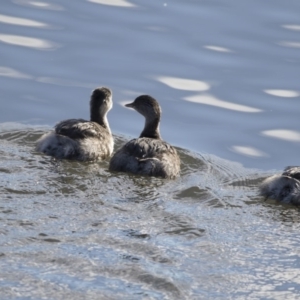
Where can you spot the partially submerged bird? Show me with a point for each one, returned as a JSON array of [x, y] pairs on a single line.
[[283, 187], [149, 154], [79, 139]]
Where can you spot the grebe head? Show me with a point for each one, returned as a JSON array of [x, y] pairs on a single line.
[[101, 102], [146, 106]]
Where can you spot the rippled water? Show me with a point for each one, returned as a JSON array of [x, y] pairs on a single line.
[[75, 230], [226, 74]]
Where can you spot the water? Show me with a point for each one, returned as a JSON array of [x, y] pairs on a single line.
[[226, 75]]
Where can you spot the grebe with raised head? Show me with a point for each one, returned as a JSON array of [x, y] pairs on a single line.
[[80, 139]]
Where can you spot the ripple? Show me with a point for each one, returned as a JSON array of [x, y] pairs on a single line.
[[290, 44], [51, 240], [21, 21], [39, 4], [249, 151], [14, 129], [211, 100], [183, 83], [283, 93], [217, 48], [27, 42], [292, 27], [10, 72], [121, 3], [283, 134], [137, 234]]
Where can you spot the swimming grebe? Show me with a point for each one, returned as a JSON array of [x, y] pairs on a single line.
[[79, 139], [148, 154], [283, 187]]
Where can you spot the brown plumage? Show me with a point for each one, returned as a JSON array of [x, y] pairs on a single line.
[[79, 139], [149, 154]]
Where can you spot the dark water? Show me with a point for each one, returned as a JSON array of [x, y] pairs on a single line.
[[226, 74]]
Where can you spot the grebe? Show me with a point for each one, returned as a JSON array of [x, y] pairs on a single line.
[[283, 187], [149, 154], [79, 139]]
